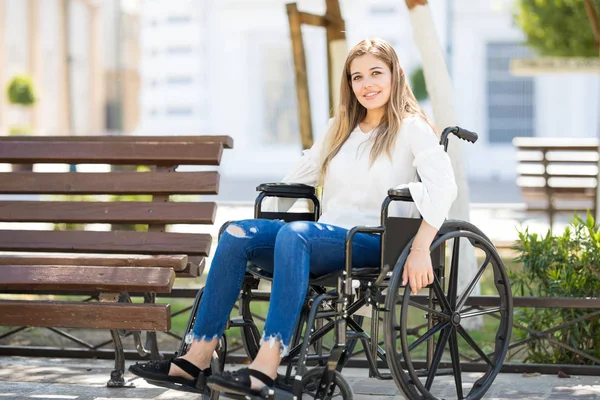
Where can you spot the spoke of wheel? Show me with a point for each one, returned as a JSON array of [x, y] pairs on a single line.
[[463, 298], [439, 292], [427, 335], [456, 364], [428, 310], [482, 312], [453, 279], [474, 345], [437, 356]]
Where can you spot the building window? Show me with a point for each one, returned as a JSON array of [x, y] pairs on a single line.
[[382, 10], [280, 110], [179, 80], [180, 111], [179, 19], [510, 99], [178, 50]]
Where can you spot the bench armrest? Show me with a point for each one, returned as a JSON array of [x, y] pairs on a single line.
[[293, 190], [400, 194]]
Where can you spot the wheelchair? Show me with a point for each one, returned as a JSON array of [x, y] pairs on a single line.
[[419, 339]]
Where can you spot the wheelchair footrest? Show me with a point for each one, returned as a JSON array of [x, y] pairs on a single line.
[[238, 322]]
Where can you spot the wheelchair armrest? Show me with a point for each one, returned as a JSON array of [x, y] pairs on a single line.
[[286, 189], [401, 194]]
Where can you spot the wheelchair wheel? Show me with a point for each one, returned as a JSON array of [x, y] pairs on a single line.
[[312, 379], [425, 354]]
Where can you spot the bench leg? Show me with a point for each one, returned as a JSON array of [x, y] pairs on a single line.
[[152, 344], [151, 340], [117, 376]]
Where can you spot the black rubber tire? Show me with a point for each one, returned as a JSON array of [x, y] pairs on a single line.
[[312, 378]]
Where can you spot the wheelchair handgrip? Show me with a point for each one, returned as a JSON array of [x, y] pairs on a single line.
[[466, 135], [461, 133], [401, 194], [286, 189]]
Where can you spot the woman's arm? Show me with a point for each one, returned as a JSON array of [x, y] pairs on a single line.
[[418, 271], [433, 197]]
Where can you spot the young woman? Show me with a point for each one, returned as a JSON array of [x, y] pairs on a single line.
[[379, 139]]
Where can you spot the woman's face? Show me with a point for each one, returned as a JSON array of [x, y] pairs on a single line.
[[371, 81]]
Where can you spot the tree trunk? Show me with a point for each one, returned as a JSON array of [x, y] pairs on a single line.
[[337, 51], [439, 87]]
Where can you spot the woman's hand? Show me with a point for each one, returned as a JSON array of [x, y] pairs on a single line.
[[418, 271]]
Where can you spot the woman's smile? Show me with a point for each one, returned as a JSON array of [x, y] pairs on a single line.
[[371, 95]]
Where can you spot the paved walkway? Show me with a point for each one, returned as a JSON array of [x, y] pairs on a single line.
[[24, 378]]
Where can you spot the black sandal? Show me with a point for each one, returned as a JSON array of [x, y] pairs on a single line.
[[157, 373], [238, 382]]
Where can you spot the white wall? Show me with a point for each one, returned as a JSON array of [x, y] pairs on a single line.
[[79, 48], [49, 86]]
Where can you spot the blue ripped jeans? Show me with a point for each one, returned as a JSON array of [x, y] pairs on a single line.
[[292, 252]]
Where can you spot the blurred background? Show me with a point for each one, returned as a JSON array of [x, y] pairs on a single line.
[[196, 67]]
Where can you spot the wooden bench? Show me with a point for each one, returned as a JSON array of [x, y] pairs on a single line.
[[558, 175], [111, 262]]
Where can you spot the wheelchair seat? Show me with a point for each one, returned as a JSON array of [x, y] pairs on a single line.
[[327, 280]]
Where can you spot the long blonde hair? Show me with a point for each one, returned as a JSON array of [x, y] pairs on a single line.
[[350, 112]]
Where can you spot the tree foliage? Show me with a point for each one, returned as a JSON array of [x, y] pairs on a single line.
[[417, 84], [20, 91], [559, 28]]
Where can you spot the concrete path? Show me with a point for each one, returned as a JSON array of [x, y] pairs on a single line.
[[24, 378]]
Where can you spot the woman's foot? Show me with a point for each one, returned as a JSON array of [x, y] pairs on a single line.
[[175, 370], [191, 378], [266, 369], [188, 372], [250, 381], [200, 355], [245, 381]]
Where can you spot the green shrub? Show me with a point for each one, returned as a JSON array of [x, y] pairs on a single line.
[[20, 91], [20, 130], [566, 265], [417, 84]]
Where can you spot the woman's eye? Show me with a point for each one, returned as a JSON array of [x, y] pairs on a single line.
[[356, 78], [376, 73]]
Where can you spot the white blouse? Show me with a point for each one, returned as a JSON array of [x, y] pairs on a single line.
[[353, 190]]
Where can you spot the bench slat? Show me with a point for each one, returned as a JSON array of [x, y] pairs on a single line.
[[126, 212], [151, 317], [107, 279], [176, 261], [554, 189], [123, 242], [562, 175], [114, 153], [193, 269], [110, 183], [226, 141], [557, 144]]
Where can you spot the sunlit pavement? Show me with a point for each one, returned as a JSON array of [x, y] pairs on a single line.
[[72, 379]]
